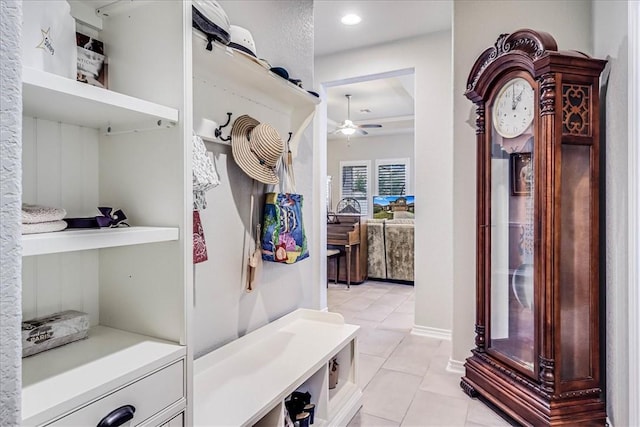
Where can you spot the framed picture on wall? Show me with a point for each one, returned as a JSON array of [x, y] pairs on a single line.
[[393, 207], [521, 174]]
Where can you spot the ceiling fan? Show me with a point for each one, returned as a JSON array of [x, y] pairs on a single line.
[[348, 128]]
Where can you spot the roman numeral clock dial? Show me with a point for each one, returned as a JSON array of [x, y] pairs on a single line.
[[513, 108]]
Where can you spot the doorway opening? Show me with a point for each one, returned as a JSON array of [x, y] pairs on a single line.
[[370, 185]]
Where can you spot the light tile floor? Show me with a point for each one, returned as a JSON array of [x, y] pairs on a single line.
[[403, 376]]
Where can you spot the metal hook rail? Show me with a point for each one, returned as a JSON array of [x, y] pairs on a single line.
[[218, 131]]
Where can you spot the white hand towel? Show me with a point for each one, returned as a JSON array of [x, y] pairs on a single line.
[[43, 227], [33, 214]]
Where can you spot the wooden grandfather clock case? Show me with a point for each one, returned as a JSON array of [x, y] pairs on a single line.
[[538, 327]]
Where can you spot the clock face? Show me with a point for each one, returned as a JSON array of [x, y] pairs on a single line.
[[513, 108]]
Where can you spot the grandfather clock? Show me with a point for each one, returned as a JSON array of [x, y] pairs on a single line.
[[537, 354]]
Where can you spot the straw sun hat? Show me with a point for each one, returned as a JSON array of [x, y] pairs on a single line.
[[257, 148]]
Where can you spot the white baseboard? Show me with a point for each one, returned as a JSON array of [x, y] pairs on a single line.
[[455, 366], [348, 410], [426, 331]]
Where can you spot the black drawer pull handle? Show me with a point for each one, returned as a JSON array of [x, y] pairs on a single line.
[[117, 417]]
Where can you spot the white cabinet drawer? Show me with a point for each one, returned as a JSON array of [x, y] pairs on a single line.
[[149, 395], [177, 421]]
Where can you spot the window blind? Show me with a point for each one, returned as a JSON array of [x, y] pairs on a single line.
[[392, 179], [355, 185]]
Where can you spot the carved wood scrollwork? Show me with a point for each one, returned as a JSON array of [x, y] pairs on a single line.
[[526, 44], [468, 389], [576, 102], [547, 94], [513, 375], [582, 393], [547, 373], [480, 118], [530, 43], [480, 338]]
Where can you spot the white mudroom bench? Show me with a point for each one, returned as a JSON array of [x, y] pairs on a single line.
[[246, 382]]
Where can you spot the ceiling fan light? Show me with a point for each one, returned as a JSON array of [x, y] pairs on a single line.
[[348, 127], [351, 19]]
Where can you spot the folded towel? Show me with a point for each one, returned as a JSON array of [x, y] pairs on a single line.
[[43, 227], [33, 214]]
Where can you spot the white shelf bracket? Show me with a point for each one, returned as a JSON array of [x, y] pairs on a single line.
[[160, 124], [111, 8]]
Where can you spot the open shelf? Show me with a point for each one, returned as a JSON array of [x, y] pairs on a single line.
[[347, 388], [52, 97], [247, 73], [94, 238], [274, 417], [224, 70], [61, 379]]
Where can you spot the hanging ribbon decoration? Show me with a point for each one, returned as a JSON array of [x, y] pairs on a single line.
[[111, 218]]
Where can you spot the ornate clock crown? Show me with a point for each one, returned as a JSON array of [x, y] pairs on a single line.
[[523, 46]]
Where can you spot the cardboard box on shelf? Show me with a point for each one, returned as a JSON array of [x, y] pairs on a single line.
[[92, 62]]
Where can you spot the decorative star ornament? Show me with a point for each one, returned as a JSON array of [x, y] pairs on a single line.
[[45, 44]]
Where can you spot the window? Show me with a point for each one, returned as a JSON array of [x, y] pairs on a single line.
[[392, 177], [329, 199], [354, 183]]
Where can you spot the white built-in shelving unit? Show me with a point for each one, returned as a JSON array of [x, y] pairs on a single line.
[[127, 147], [246, 381]]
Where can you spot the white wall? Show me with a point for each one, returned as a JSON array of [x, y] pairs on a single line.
[[610, 42], [10, 216], [430, 57], [633, 25], [368, 148], [634, 211], [283, 34]]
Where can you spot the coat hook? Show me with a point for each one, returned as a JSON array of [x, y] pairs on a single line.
[[218, 131], [289, 156]]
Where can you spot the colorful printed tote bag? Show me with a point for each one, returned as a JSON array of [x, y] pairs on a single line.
[[283, 236]]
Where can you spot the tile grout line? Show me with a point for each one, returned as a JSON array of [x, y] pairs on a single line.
[[377, 326]]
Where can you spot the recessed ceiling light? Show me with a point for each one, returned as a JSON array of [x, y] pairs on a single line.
[[351, 19]]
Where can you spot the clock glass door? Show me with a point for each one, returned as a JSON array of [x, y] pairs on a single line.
[[511, 287]]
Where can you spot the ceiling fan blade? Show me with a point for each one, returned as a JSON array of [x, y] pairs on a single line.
[[348, 124], [339, 131]]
